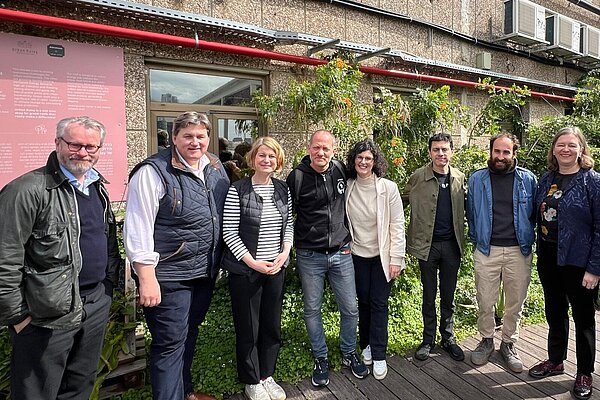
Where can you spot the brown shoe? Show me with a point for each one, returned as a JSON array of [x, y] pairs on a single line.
[[198, 396], [546, 368], [582, 389]]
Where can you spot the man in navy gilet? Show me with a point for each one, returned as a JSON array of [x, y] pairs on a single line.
[[172, 237]]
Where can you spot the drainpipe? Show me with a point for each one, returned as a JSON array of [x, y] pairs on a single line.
[[145, 36], [586, 5]]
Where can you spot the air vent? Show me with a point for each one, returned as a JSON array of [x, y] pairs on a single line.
[[564, 35], [590, 45], [524, 22]]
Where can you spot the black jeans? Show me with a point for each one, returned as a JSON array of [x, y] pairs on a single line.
[[445, 257], [373, 291], [58, 364], [256, 302], [562, 286]]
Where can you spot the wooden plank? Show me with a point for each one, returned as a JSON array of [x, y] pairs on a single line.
[[137, 365], [480, 380], [310, 392], [402, 388], [291, 391], [423, 382], [570, 362], [552, 387], [343, 388], [453, 382], [372, 388], [498, 375]]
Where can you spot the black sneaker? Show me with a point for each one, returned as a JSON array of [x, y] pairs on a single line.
[[453, 349], [359, 369], [423, 351], [320, 376]]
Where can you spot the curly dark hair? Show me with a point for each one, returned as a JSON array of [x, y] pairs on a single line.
[[380, 164]]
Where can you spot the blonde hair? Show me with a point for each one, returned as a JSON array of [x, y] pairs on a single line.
[[272, 144], [585, 161]]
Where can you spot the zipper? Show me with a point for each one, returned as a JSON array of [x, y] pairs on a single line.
[[328, 210], [212, 219]]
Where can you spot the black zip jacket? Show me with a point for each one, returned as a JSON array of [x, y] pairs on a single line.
[[319, 205]]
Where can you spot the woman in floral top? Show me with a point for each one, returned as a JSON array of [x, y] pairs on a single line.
[[568, 200]]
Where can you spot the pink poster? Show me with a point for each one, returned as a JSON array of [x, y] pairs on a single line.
[[44, 80]]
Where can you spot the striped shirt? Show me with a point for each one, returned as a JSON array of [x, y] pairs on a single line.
[[271, 221]]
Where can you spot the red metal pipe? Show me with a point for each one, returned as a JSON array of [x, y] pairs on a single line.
[[127, 33]]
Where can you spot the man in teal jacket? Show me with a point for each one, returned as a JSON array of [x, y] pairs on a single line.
[[503, 244]]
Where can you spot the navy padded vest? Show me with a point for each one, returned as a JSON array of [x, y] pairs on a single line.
[[187, 231]]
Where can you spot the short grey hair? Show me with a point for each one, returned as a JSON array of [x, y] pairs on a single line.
[[87, 122], [190, 118]]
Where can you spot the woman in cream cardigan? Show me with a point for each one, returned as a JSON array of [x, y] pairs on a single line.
[[376, 220]]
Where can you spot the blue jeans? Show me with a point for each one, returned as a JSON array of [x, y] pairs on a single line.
[[338, 268], [174, 328]]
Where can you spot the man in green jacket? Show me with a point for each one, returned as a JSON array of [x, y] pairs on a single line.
[[436, 193]]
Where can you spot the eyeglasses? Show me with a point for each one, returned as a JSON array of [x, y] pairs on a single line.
[[75, 147], [365, 159]]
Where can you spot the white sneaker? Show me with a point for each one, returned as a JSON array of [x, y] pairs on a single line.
[[274, 391], [366, 355], [256, 392], [379, 369]]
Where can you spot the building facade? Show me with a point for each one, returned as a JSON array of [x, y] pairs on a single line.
[[211, 55]]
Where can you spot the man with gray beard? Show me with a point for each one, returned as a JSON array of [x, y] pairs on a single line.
[[58, 263]]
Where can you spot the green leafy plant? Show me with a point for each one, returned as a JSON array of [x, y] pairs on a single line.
[[502, 111], [329, 101], [115, 339], [585, 115]]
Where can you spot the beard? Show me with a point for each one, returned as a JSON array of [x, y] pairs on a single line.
[[498, 165], [78, 165]]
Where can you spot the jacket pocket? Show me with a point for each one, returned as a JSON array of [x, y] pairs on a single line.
[[49, 247], [174, 254], [49, 293]]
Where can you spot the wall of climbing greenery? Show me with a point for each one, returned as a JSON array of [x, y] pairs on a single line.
[[401, 125]]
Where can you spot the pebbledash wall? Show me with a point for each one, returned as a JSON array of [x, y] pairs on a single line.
[[434, 37]]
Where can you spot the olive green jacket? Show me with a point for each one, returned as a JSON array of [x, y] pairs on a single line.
[[422, 193]]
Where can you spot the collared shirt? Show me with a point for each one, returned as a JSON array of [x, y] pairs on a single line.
[[90, 177], [145, 190]]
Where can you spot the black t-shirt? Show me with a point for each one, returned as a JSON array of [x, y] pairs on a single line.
[[503, 222], [549, 207], [443, 228]]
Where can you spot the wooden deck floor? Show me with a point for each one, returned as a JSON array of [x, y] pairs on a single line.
[[441, 378]]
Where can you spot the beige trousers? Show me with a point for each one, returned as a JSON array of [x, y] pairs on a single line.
[[509, 266]]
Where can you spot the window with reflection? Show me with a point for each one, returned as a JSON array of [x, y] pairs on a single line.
[[203, 89]]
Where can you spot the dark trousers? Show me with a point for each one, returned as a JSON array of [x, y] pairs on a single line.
[[60, 364], [174, 328], [256, 302], [562, 286], [445, 258], [373, 291]]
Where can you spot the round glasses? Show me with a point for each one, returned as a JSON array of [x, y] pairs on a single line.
[[75, 147]]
